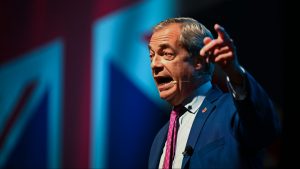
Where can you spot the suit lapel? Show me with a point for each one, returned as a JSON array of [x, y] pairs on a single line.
[[204, 111], [159, 145]]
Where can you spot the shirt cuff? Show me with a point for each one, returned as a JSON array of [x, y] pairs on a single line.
[[239, 92]]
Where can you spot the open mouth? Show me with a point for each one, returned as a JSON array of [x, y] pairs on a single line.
[[164, 82]]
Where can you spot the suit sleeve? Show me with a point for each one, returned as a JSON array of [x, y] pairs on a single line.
[[257, 123]]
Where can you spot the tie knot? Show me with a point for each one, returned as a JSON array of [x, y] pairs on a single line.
[[177, 111]]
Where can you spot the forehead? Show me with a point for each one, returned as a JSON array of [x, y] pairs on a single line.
[[168, 34]]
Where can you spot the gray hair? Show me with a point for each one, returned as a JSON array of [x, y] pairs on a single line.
[[192, 34]]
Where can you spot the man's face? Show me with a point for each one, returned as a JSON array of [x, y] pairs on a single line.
[[172, 67]]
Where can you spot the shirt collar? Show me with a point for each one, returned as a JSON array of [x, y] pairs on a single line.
[[193, 103]]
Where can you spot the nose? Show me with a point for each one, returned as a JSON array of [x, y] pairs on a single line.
[[156, 64], [156, 61]]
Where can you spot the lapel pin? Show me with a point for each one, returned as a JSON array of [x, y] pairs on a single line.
[[204, 110]]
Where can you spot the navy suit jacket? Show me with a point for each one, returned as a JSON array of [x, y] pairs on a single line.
[[230, 133]]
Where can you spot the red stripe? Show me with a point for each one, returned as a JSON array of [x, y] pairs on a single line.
[[26, 25], [76, 138], [16, 111], [105, 7]]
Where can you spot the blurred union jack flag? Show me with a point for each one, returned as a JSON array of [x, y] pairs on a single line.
[[30, 106], [75, 83]]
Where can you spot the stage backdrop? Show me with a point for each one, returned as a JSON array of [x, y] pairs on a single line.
[[75, 82]]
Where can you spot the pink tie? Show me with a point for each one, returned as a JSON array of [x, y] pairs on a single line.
[[171, 140]]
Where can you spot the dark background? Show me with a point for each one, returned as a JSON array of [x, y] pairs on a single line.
[[258, 28]]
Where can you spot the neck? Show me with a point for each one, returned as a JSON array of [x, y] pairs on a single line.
[[192, 91]]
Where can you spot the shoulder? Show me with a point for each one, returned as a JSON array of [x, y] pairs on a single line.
[[162, 132]]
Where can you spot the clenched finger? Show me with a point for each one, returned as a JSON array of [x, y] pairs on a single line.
[[210, 46]]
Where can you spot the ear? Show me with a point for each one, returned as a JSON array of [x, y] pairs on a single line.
[[198, 62]]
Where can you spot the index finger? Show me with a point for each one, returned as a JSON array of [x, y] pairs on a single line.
[[222, 33]]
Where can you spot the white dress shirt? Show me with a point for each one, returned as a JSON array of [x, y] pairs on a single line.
[[192, 106]]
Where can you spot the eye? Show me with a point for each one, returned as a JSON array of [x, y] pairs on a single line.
[[168, 55], [151, 55]]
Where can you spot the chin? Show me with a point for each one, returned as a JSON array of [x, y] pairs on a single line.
[[168, 95]]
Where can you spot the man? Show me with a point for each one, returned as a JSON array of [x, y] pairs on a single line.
[[212, 128]]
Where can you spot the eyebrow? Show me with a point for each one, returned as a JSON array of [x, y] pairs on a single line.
[[166, 45], [163, 46]]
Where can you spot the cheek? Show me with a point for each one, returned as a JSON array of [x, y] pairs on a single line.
[[178, 69], [184, 71]]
